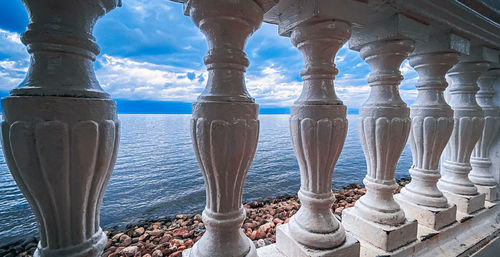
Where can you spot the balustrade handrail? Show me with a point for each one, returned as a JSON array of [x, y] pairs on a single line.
[[61, 131]]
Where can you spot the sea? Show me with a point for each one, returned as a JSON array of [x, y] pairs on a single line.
[[157, 174]]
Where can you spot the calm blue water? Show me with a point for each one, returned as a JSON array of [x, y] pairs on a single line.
[[157, 174]]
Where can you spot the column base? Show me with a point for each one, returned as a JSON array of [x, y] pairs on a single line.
[[251, 253], [434, 218], [387, 238], [92, 247], [489, 191], [466, 203], [464, 238], [286, 245]]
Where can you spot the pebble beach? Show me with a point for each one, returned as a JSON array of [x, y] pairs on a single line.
[[169, 236]]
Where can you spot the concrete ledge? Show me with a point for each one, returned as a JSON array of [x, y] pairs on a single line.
[[490, 249], [434, 218], [475, 234], [387, 238], [196, 253], [291, 248], [466, 204], [489, 191], [269, 251], [463, 238]]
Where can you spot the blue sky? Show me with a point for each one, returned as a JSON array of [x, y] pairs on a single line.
[[151, 51]]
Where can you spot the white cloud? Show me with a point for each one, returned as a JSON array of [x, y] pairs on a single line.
[[407, 70], [340, 58], [148, 9], [274, 88], [271, 87], [14, 67], [11, 44], [129, 79], [360, 64], [13, 37]]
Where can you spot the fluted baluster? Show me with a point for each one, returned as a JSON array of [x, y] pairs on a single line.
[[384, 125], [432, 124], [467, 129], [318, 128], [224, 127], [383, 128], [60, 130], [495, 146], [481, 175]]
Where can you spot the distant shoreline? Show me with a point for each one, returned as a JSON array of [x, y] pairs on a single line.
[[171, 107], [260, 113]]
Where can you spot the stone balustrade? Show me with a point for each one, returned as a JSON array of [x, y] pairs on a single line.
[[61, 133]]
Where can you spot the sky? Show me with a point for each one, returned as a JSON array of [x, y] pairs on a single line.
[[151, 52]]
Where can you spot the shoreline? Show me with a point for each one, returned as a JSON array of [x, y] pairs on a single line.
[[169, 236]]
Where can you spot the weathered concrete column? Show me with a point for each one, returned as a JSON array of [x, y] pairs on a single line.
[[495, 147], [60, 130], [432, 124], [467, 129], [224, 127], [481, 175], [318, 127], [383, 129]]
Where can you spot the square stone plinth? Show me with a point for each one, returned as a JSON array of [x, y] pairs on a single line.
[[489, 191], [466, 203], [252, 252], [387, 238], [291, 248], [434, 218]]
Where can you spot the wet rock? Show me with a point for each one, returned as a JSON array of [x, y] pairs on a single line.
[[157, 253], [189, 243], [181, 216], [181, 232], [143, 237], [116, 237], [278, 221], [155, 232], [155, 225], [258, 234], [256, 204], [176, 254], [125, 240], [138, 231], [130, 251], [166, 238]]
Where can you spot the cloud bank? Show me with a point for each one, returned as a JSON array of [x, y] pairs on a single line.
[[151, 51]]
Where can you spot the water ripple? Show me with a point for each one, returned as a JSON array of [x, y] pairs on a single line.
[[156, 173]]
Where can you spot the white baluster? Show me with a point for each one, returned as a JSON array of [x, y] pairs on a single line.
[[495, 147], [384, 126], [432, 124], [318, 128], [60, 130], [481, 175], [224, 127], [467, 128]]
